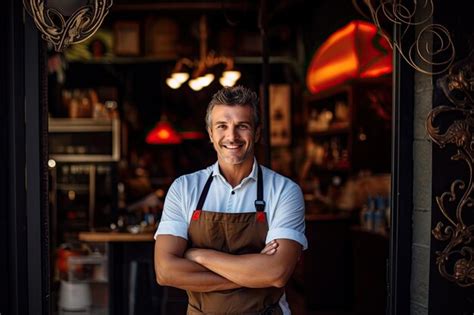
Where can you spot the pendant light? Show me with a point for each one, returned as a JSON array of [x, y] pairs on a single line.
[[203, 69], [163, 133], [355, 52]]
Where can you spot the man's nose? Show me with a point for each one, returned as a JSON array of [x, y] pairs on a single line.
[[232, 133]]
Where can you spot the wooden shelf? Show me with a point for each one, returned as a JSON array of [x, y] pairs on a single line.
[[115, 237], [75, 187]]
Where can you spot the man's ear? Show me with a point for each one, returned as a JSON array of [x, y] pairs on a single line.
[[209, 132]]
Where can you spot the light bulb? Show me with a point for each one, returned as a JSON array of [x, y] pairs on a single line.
[[231, 75], [173, 83], [195, 84], [226, 82], [52, 163], [181, 77], [206, 79]]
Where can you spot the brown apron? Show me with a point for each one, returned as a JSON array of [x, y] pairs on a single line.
[[233, 233]]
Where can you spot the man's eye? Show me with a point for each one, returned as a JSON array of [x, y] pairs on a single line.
[[244, 127], [220, 126]]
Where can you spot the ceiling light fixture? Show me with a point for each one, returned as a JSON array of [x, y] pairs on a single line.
[[202, 69]]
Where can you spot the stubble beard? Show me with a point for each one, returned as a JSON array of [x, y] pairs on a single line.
[[231, 158]]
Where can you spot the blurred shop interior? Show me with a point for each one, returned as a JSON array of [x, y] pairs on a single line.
[[126, 117]]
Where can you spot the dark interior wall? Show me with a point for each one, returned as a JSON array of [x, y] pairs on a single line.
[[320, 19], [446, 297]]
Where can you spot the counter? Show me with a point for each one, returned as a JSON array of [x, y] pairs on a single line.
[[115, 237], [132, 285]]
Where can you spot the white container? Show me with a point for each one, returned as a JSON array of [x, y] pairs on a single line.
[[74, 296]]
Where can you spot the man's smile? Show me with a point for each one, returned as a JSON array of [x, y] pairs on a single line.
[[234, 146]]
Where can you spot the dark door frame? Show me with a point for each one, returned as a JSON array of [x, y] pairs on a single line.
[[399, 264], [23, 223]]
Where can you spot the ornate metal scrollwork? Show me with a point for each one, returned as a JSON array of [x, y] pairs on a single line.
[[456, 261], [61, 31], [433, 51]]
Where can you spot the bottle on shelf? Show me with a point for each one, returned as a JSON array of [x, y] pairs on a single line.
[[335, 150], [122, 200], [111, 107], [369, 215], [85, 106], [74, 104], [313, 121]]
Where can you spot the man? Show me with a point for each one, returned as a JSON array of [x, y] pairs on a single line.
[[231, 234]]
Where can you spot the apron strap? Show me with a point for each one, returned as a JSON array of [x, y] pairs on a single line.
[[204, 192], [259, 203]]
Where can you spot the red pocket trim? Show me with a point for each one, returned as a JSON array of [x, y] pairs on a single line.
[[261, 216], [196, 215]]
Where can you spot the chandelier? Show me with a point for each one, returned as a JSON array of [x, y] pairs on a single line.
[[202, 70]]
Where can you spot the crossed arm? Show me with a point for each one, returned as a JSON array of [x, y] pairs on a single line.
[[206, 270]]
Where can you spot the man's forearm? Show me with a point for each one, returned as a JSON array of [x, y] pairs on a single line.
[[174, 270], [187, 275], [251, 270]]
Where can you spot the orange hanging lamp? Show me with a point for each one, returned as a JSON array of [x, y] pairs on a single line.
[[163, 133], [356, 51]]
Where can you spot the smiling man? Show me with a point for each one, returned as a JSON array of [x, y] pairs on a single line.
[[231, 234]]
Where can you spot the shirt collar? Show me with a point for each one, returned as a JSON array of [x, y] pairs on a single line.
[[253, 174]]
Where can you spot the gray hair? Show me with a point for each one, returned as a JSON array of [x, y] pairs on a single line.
[[235, 96]]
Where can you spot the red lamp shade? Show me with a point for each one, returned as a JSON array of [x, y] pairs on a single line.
[[356, 51], [163, 133]]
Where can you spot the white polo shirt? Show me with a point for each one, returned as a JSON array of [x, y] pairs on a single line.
[[284, 204]]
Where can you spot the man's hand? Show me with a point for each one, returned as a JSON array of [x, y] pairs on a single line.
[[270, 248]]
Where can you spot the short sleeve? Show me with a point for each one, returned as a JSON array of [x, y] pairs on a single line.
[[173, 219], [288, 220]]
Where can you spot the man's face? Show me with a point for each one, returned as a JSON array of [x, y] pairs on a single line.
[[233, 133]]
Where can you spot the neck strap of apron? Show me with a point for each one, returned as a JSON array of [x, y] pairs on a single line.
[[259, 203]]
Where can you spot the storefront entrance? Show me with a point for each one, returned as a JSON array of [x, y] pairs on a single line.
[[27, 266]]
